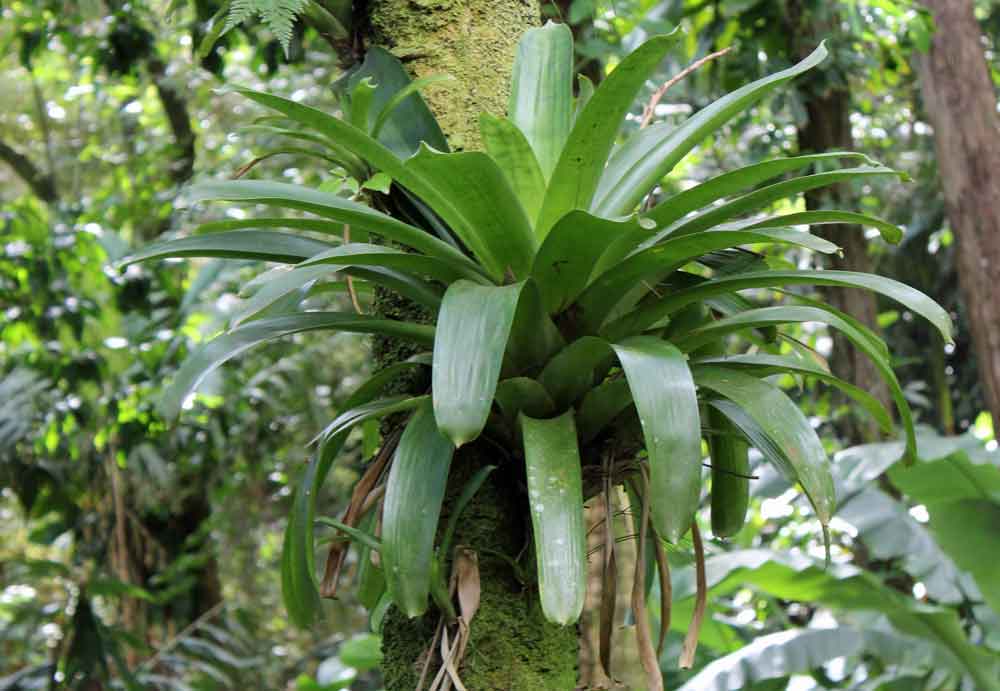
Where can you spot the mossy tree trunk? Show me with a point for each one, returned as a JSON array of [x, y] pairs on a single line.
[[512, 647]]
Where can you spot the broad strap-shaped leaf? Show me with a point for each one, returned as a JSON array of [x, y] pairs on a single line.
[[555, 498], [318, 225], [630, 153], [506, 145], [278, 286], [761, 198], [763, 365], [541, 91], [566, 259], [534, 337], [473, 326], [523, 395], [482, 208], [624, 193], [257, 245], [329, 206], [398, 117], [299, 589], [229, 345], [600, 406], [802, 456], [365, 254], [570, 373], [911, 298], [664, 395], [651, 264], [739, 180], [501, 237], [575, 178], [413, 496], [890, 232], [784, 314]]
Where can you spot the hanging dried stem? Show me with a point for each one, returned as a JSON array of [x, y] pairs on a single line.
[[691, 639], [647, 654], [647, 112], [355, 509], [666, 593]]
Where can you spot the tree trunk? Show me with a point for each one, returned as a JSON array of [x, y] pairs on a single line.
[[512, 647], [828, 128], [827, 101], [961, 103]]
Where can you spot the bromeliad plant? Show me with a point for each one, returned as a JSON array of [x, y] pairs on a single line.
[[564, 309]]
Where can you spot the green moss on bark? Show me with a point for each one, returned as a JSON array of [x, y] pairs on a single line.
[[512, 646], [474, 41]]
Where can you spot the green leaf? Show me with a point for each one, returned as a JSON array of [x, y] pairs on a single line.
[[843, 588], [555, 491], [523, 394], [298, 570], [651, 264], [413, 496], [570, 373], [761, 198], [467, 189], [330, 206], [889, 231], [362, 652], [566, 259], [258, 245], [399, 118], [601, 405], [277, 287], [541, 91], [481, 208], [799, 651], [625, 191], [364, 254], [804, 459], [575, 178], [472, 331], [227, 346], [507, 146], [762, 365], [909, 297], [361, 102], [394, 115], [732, 182], [357, 535], [783, 314], [665, 398], [318, 225]]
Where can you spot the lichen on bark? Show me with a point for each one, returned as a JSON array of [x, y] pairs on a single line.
[[474, 41]]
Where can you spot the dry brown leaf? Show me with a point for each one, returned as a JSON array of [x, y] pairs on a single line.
[[647, 654], [690, 646]]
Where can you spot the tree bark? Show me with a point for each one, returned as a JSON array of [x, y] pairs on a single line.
[[512, 647], [961, 103]]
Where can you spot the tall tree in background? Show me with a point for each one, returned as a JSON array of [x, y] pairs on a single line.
[[961, 104], [826, 97]]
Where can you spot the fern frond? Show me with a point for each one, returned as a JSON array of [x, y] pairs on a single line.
[[278, 15]]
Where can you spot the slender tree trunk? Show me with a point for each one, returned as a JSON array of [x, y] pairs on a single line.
[[961, 103], [512, 647], [827, 101], [828, 129]]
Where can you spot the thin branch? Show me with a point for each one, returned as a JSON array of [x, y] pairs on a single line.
[[176, 109], [41, 183], [647, 113]]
